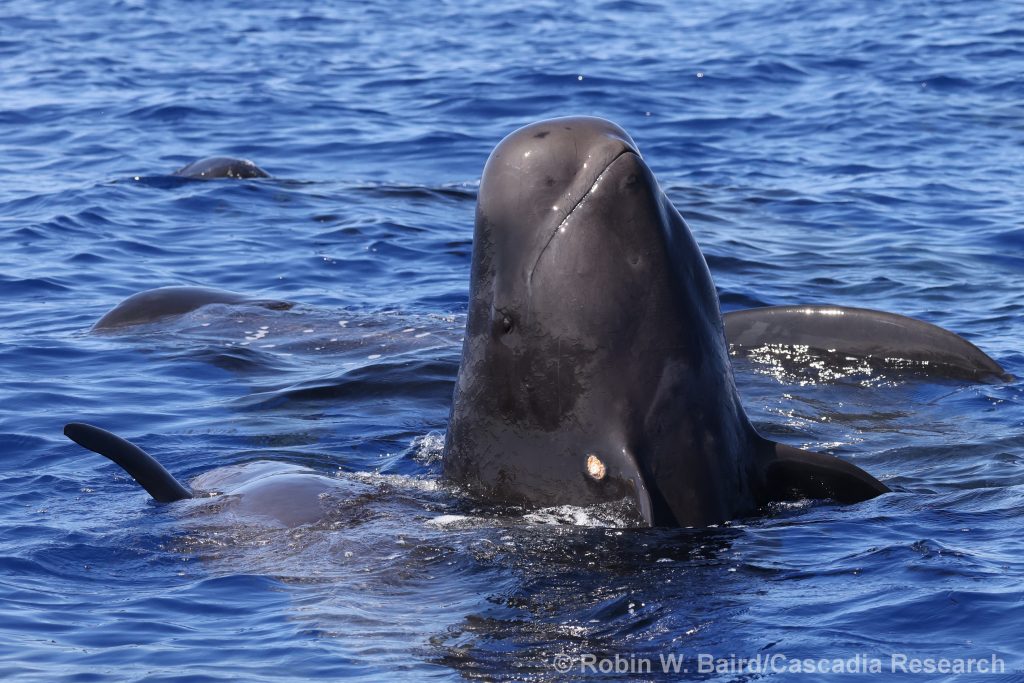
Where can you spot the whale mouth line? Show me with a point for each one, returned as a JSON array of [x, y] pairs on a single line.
[[578, 204]]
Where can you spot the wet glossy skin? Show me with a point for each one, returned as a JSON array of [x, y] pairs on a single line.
[[864, 333], [594, 329], [221, 167], [154, 304]]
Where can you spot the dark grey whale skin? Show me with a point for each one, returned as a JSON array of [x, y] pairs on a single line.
[[221, 167], [594, 330], [864, 333], [142, 467], [153, 304]]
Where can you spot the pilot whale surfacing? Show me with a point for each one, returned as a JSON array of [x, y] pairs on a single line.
[[221, 167], [153, 304], [595, 365]]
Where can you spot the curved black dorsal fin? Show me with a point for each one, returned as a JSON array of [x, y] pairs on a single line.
[[142, 467]]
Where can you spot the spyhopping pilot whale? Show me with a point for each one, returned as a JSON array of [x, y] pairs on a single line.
[[221, 167], [595, 365]]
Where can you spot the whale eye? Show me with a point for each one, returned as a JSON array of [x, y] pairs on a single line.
[[502, 321]]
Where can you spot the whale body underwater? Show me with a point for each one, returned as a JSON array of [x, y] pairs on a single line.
[[595, 364]]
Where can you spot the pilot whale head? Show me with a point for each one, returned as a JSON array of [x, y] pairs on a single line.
[[594, 365]]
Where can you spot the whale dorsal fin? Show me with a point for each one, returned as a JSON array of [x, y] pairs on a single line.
[[142, 467]]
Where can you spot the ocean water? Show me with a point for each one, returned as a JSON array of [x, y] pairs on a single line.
[[858, 153]]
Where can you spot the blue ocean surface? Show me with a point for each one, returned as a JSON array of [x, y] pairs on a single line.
[[847, 152]]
